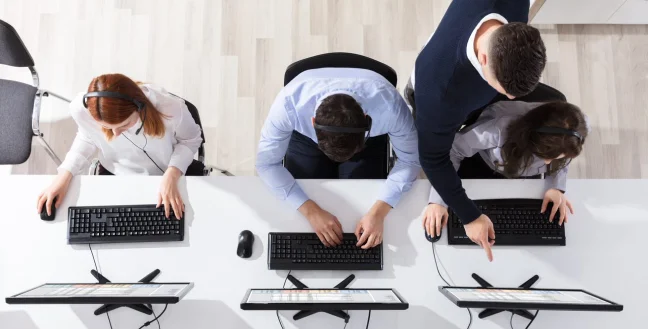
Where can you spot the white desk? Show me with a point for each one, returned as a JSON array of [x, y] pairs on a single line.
[[605, 253]]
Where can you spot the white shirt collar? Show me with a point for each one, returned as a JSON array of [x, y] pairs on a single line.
[[470, 47]]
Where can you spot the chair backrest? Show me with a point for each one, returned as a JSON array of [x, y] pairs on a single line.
[[542, 93], [194, 114], [12, 50], [340, 60], [16, 108]]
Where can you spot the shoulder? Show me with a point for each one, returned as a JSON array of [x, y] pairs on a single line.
[[166, 103]]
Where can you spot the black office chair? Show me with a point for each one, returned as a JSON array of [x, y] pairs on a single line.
[[347, 60], [207, 169], [20, 103]]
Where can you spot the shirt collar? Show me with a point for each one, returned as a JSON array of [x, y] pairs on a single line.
[[470, 47], [336, 92]]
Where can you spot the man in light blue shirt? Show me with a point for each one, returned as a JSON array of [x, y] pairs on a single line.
[[332, 98]]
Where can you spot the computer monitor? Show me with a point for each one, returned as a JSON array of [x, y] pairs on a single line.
[[530, 299], [323, 299], [108, 293]]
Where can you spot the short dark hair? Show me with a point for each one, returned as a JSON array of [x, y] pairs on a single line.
[[523, 142], [517, 57], [340, 110]]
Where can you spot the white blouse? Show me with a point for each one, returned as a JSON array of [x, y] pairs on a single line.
[[119, 156]]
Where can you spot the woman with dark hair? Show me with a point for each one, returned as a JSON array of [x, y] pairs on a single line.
[[136, 129], [517, 140]]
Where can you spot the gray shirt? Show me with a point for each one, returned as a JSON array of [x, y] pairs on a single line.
[[486, 137]]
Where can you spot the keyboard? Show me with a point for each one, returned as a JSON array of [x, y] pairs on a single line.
[[517, 222], [304, 251], [115, 224]]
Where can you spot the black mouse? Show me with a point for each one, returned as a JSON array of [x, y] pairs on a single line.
[[43, 213], [245, 243], [433, 239]]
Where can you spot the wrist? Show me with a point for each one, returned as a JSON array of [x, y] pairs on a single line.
[[173, 172], [308, 208], [65, 176], [380, 209]]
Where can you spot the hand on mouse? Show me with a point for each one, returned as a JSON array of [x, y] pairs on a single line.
[[326, 226], [480, 231], [58, 189], [369, 230], [435, 218], [560, 202], [169, 194]]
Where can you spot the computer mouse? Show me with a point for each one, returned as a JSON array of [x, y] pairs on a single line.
[[433, 239], [43, 213], [245, 243]]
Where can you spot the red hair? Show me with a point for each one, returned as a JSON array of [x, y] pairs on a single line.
[[115, 111]]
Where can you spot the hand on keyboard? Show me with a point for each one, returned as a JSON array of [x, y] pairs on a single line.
[[369, 230], [169, 194], [560, 203], [435, 218], [326, 226], [481, 232]]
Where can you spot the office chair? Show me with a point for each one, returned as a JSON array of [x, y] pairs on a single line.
[[20, 103], [347, 60], [94, 167]]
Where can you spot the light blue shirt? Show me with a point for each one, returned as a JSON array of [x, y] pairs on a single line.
[[295, 106]]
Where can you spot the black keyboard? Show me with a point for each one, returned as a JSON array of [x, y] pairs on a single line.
[[132, 223], [304, 251], [517, 222]]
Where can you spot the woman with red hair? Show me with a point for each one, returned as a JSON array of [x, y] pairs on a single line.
[[136, 129]]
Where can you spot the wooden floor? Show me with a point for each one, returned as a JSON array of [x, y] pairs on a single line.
[[228, 58]]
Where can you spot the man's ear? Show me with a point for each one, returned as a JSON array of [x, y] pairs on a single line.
[[313, 121], [483, 59]]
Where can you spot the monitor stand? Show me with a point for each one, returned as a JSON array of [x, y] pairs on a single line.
[[146, 309], [339, 313], [489, 311]]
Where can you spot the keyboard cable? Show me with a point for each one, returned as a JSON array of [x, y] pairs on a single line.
[[146, 324], [530, 322], [446, 282]]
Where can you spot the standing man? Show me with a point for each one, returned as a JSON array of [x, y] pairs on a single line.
[[333, 123], [480, 48]]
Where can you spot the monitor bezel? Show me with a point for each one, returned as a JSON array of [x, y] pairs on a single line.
[[612, 306], [15, 299], [403, 305]]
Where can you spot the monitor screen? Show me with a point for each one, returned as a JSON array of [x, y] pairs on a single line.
[[535, 299], [322, 296], [323, 299], [82, 293], [536, 296]]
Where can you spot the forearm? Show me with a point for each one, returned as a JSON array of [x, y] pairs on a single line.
[[379, 209]]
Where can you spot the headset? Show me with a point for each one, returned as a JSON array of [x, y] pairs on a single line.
[[140, 107], [560, 131], [111, 94], [347, 130]]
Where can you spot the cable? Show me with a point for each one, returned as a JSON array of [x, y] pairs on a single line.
[[534, 317], [368, 319], [156, 318], [146, 324], [446, 282], [143, 149], [283, 287], [530, 322], [97, 269]]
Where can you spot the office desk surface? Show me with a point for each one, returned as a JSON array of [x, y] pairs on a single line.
[[605, 253]]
